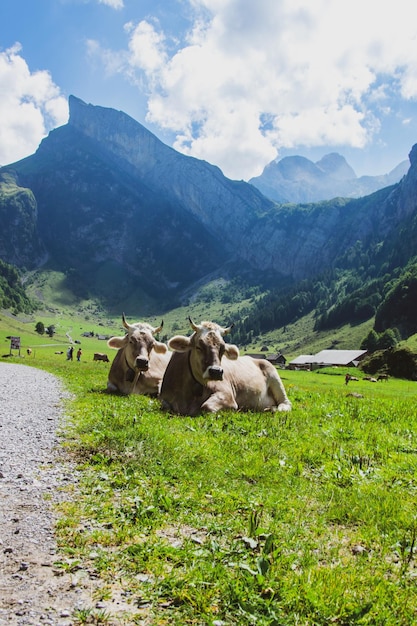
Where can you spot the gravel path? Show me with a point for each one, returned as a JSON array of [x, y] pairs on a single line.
[[33, 475]]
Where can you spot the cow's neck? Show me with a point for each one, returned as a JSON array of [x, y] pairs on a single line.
[[190, 365], [130, 374]]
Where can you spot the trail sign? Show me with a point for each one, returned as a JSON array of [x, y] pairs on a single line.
[[14, 344]]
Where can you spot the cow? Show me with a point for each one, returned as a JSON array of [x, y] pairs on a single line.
[[140, 362], [205, 374], [100, 356], [383, 377]]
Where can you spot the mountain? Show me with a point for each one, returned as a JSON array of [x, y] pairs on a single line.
[[119, 212], [20, 242], [12, 292], [106, 196], [297, 179]]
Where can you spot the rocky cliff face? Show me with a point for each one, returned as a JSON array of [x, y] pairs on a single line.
[[120, 208], [217, 202], [97, 218], [294, 242], [297, 179], [303, 240], [20, 243]]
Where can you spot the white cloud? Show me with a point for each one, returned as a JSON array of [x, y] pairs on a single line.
[[31, 104], [114, 4], [146, 47], [320, 73]]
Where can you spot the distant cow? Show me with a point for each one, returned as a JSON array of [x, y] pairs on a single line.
[[205, 374], [383, 377], [140, 362], [100, 356], [29, 351]]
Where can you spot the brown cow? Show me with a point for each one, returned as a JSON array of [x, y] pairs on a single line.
[[199, 379], [100, 356], [140, 362]]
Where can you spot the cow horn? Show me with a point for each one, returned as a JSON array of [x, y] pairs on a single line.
[[193, 326], [226, 331], [158, 330], [125, 324]]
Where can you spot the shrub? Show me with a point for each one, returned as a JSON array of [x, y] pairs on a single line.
[[399, 362]]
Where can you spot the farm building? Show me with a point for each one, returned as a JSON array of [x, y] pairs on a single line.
[[302, 362], [275, 359], [328, 358]]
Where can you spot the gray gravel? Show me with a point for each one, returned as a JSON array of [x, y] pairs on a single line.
[[33, 476]]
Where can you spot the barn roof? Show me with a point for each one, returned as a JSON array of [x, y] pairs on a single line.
[[303, 359], [339, 357], [330, 357]]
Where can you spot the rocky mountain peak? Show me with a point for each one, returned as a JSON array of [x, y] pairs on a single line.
[[118, 133], [292, 168], [336, 166], [297, 179], [413, 155]]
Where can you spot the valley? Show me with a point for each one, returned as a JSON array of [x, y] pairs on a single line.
[[70, 315], [105, 219]]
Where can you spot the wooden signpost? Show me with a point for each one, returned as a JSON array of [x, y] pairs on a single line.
[[14, 344]]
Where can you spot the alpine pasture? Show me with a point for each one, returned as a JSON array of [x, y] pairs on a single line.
[[307, 517]]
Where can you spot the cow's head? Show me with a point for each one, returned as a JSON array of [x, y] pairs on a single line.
[[138, 343], [206, 347]]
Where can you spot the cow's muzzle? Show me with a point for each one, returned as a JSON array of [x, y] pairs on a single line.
[[142, 364], [215, 372]]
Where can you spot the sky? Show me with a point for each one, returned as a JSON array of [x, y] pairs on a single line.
[[238, 83]]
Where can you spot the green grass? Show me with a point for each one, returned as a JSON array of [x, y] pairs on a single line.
[[66, 324], [258, 518]]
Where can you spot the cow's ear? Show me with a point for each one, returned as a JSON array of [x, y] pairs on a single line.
[[116, 342], [160, 347], [179, 343], [231, 352]]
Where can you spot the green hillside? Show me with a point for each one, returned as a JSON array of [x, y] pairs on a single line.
[[59, 307], [12, 293]]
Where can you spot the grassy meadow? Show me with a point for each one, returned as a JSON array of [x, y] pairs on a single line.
[[300, 518]]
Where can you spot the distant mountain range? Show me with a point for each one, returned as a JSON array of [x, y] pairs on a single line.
[[124, 215], [297, 179]]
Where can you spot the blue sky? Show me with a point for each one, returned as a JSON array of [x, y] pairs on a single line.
[[235, 82]]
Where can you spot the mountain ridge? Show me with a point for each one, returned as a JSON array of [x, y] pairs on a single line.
[[110, 199], [297, 179], [160, 165]]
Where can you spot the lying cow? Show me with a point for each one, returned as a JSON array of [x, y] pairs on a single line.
[[207, 374], [140, 362], [100, 356]]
